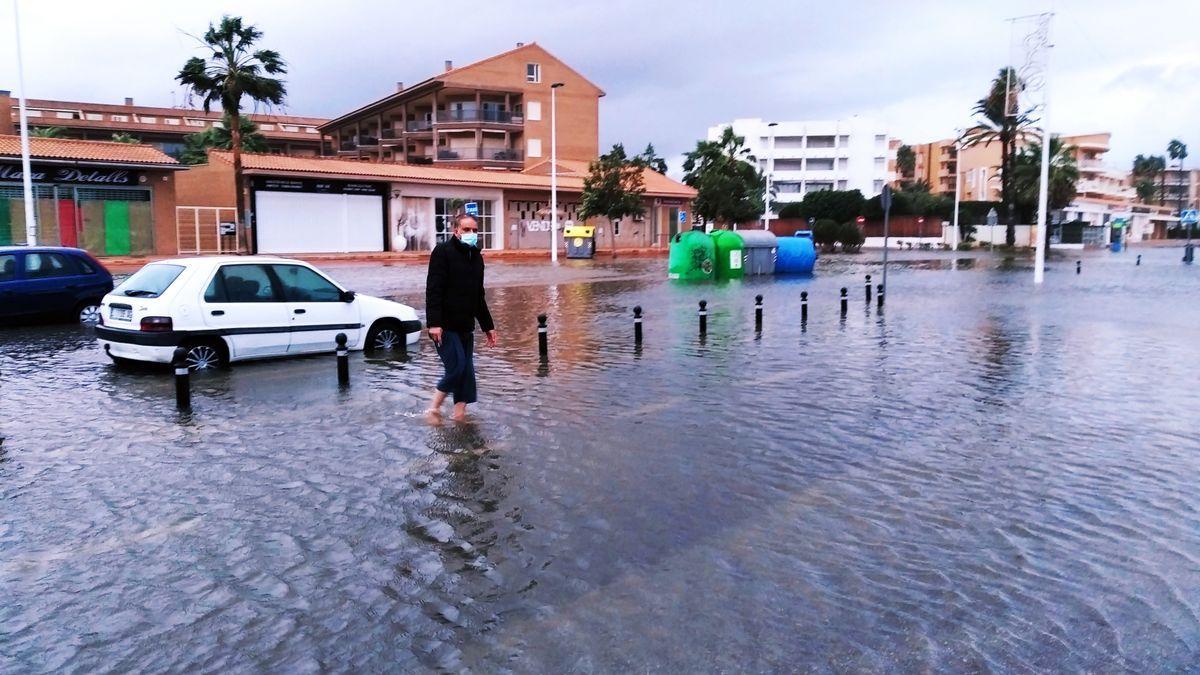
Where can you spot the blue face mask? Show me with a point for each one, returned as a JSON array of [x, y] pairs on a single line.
[[469, 238]]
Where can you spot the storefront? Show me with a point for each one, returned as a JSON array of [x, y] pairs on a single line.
[[305, 215], [106, 198]]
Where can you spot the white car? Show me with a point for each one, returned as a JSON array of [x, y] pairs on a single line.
[[231, 308]]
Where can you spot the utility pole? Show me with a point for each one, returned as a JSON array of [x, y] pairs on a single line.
[[26, 169], [554, 172]]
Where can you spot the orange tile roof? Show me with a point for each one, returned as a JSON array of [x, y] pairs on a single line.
[[657, 185], [87, 151]]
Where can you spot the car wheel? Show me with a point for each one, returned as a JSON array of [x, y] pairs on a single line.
[[204, 356], [88, 313], [386, 336]]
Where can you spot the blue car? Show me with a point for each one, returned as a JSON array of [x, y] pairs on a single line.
[[51, 282]]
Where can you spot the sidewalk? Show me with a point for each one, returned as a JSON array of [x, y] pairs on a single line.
[[126, 264]]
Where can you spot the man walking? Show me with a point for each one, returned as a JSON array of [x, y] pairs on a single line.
[[454, 301]]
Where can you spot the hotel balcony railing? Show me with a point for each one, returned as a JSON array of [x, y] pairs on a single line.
[[479, 154], [347, 146], [418, 125], [484, 116], [389, 134], [365, 141]]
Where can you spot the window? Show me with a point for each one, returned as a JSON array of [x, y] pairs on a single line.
[[8, 267], [242, 283], [300, 284], [533, 147], [789, 142], [195, 123], [820, 141], [790, 187], [445, 209], [148, 120], [815, 164], [616, 226], [66, 115], [843, 141], [841, 185], [843, 163], [789, 165], [95, 117], [49, 265], [880, 140], [120, 118], [533, 110], [150, 282], [310, 130], [533, 72], [880, 163], [818, 186]]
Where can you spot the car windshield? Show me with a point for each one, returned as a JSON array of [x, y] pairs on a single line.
[[150, 281]]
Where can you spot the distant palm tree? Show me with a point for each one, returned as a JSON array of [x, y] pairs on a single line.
[[48, 132], [1146, 170], [906, 161], [122, 137], [998, 119], [235, 70], [1061, 184], [219, 136]]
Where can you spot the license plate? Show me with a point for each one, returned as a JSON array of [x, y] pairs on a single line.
[[121, 314]]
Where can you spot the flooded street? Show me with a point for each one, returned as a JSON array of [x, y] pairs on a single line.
[[984, 476]]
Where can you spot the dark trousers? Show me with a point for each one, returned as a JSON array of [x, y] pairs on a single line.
[[457, 353]]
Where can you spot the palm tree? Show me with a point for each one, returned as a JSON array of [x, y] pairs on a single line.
[[48, 132], [219, 136], [235, 70], [998, 119], [1062, 181], [906, 161], [1145, 171], [122, 137]]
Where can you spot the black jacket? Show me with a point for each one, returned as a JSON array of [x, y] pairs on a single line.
[[454, 289]]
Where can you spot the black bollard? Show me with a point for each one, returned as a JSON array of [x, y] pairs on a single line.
[[758, 313], [343, 360], [879, 296], [803, 306], [183, 387], [867, 289], [1139, 260], [703, 314], [637, 325], [844, 301], [543, 337], [1078, 266]]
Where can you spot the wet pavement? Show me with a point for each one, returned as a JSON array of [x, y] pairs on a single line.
[[984, 476]]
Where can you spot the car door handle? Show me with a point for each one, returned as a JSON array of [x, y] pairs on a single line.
[[297, 311], [218, 312]]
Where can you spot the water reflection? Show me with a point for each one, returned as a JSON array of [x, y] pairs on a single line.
[[1006, 459]]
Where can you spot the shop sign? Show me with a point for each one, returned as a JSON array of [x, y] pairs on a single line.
[[543, 225], [41, 173], [337, 187]]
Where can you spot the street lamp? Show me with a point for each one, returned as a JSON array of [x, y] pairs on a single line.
[[554, 172], [26, 170], [770, 169], [957, 184]]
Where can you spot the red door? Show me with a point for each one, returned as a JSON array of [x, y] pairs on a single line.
[[68, 223]]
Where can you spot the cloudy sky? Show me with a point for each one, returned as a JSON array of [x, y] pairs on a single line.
[[671, 69]]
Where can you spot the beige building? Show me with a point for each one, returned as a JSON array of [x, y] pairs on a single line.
[[491, 114]]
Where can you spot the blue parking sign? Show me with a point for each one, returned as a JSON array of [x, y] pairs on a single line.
[[471, 208]]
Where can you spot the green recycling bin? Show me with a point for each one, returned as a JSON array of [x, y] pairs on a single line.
[[581, 241], [727, 258], [691, 256]]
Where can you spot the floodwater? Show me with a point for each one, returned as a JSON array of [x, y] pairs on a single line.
[[984, 476]]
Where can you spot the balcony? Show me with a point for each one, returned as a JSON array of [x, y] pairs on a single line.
[[480, 154], [365, 141], [418, 126], [479, 117]]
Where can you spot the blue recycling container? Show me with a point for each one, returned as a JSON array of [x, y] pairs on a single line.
[[796, 255]]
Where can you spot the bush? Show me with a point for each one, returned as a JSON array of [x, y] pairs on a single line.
[[826, 233], [791, 210], [966, 245], [850, 237]]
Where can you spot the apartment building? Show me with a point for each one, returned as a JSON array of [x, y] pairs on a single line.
[[162, 128], [1181, 187], [801, 157], [491, 114]]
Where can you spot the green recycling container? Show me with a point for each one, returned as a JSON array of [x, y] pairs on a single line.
[[728, 247], [691, 256]]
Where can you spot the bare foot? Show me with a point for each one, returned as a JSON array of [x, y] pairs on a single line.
[[459, 414], [433, 416]]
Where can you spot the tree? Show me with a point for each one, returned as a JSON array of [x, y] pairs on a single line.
[[650, 159], [998, 119], [825, 233], [613, 189], [122, 137], [1061, 184], [729, 184], [838, 205], [906, 161], [1145, 171], [196, 145], [48, 132], [234, 70]]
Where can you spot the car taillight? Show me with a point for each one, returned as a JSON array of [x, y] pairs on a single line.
[[157, 324]]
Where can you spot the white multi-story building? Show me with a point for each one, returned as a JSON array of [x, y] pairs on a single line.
[[801, 157]]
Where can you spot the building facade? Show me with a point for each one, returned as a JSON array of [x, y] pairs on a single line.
[[342, 205], [162, 128], [801, 157], [491, 114], [112, 199], [1181, 187]]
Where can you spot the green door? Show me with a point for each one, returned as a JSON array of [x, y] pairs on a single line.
[[116, 228]]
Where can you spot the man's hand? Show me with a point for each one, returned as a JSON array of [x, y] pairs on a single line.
[[491, 338], [435, 334]]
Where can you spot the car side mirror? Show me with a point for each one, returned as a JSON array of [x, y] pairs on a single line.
[[347, 296]]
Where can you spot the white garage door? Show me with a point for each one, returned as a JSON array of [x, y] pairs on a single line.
[[305, 222]]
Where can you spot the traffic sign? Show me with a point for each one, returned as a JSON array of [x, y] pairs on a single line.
[[682, 216], [885, 198], [471, 208], [1189, 216]]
